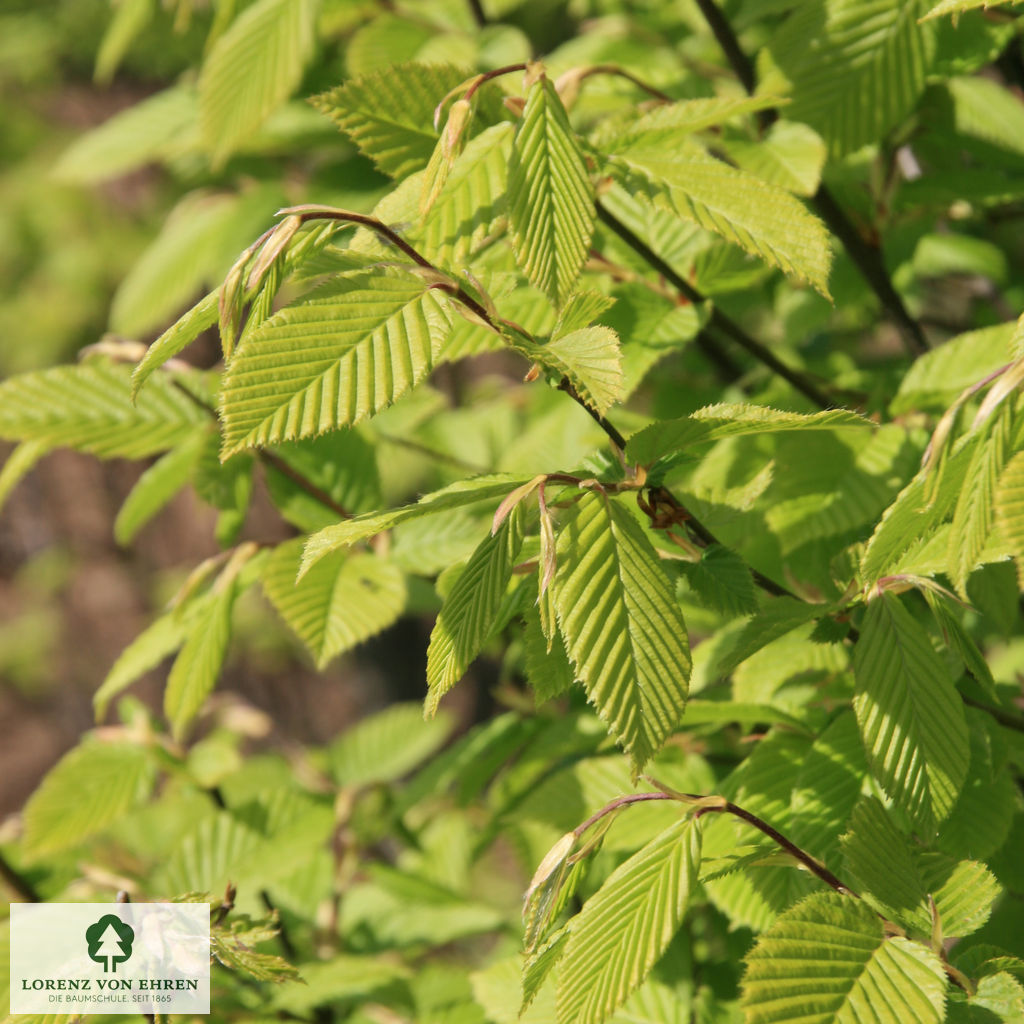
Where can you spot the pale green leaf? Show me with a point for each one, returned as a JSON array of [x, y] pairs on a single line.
[[959, 640], [359, 343], [778, 617], [157, 485], [721, 581], [828, 961], [345, 977], [386, 746], [389, 113], [790, 155], [178, 336], [197, 666], [910, 715], [760, 218], [955, 7], [471, 609], [986, 109], [90, 787], [551, 198], [964, 893], [342, 601], [856, 67], [456, 495], [130, 18], [547, 666], [19, 464], [154, 129], [623, 628], [624, 928], [252, 69], [714, 422], [1009, 502], [88, 407]]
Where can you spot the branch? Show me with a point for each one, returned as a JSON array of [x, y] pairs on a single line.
[[718, 320], [866, 257]]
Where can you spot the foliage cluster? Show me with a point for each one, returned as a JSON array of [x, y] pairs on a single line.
[[675, 371]]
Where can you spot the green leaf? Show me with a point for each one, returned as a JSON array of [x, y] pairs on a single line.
[[714, 422], [551, 199], [155, 488], [19, 464], [178, 336], [154, 129], [955, 7], [470, 610], [1009, 505], [623, 628], [359, 343], [342, 601], [346, 977], [760, 218], [828, 960], [910, 714], [389, 113], [546, 663], [233, 949], [721, 581], [130, 18], [456, 495], [624, 928], [197, 666], [88, 407], [94, 785], [252, 69], [778, 617], [386, 746], [790, 155], [863, 74]]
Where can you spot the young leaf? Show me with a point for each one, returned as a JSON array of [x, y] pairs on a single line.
[[178, 336], [342, 601], [90, 787], [19, 464], [910, 715], [622, 625], [722, 581], [828, 959], [252, 69], [1009, 503], [469, 612], [622, 930], [88, 407], [334, 359], [551, 199]]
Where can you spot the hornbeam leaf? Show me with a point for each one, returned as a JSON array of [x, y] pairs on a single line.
[[624, 928], [178, 336], [958, 6], [456, 495], [714, 422], [343, 600], [762, 219], [1009, 501], [389, 113], [334, 359], [910, 715], [90, 787], [252, 69], [827, 960], [19, 464], [623, 628], [551, 198], [469, 611], [88, 407]]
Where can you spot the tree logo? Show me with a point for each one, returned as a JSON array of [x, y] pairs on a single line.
[[110, 941]]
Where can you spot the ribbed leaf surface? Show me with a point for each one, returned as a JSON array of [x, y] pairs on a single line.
[[342, 601], [761, 219], [1009, 502], [622, 625], [910, 715], [623, 929], [389, 113], [469, 611], [551, 199], [253, 68], [827, 961], [178, 336], [333, 360], [714, 422], [88, 407], [864, 72], [958, 6]]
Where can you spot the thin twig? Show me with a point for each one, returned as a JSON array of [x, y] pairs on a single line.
[[477, 10], [726, 38]]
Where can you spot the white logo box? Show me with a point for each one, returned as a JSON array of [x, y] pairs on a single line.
[[110, 958]]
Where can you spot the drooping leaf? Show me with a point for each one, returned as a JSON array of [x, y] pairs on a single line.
[[623, 929], [910, 715], [88, 407], [130, 18], [551, 199], [89, 788], [828, 960], [1009, 505], [790, 155], [715, 422], [343, 600], [178, 336], [955, 7], [19, 464], [252, 69], [622, 625], [470, 610], [389, 113], [333, 359]]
